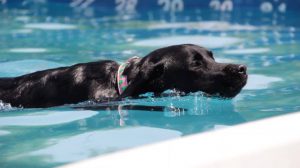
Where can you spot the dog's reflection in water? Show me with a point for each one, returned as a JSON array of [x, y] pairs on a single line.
[[169, 117]]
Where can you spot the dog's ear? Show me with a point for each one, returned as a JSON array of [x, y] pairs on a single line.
[[146, 74]]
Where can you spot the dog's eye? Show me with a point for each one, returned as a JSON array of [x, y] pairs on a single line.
[[198, 63], [198, 59]]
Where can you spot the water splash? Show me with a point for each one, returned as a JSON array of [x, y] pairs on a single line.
[[5, 106], [200, 104], [172, 110]]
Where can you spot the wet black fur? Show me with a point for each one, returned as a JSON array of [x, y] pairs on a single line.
[[187, 68]]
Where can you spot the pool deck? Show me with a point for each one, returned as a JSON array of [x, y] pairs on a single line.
[[268, 143]]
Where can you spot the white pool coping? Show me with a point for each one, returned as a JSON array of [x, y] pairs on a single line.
[[268, 143]]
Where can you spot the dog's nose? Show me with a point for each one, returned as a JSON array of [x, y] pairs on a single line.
[[242, 69], [236, 69]]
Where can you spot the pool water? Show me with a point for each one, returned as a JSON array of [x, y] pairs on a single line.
[[41, 34]]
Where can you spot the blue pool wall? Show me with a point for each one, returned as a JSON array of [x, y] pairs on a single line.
[[141, 5], [153, 4], [273, 12]]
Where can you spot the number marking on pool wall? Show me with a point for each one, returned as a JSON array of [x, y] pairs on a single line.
[[126, 6], [172, 5], [268, 7], [81, 3], [226, 5]]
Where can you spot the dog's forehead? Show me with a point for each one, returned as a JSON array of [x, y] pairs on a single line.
[[198, 53], [201, 50]]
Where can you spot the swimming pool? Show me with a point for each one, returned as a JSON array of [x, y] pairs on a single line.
[[40, 34]]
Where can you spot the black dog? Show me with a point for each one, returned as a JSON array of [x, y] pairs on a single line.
[[186, 68]]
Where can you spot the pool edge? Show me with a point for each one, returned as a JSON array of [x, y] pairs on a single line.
[[272, 142]]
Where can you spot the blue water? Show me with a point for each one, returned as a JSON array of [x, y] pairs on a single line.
[[41, 34]]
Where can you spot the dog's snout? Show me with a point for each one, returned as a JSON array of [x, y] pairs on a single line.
[[242, 69], [236, 69]]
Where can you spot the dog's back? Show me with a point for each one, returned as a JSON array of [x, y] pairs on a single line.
[[60, 86], [6, 83], [6, 86]]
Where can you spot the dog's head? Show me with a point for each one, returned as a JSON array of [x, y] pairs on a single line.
[[189, 68]]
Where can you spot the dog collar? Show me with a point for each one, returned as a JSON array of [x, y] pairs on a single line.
[[122, 79]]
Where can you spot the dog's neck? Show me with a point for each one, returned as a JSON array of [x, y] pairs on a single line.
[[121, 78], [126, 72]]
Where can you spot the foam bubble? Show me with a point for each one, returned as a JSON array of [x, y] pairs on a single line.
[[5, 106], [206, 41], [46, 118], [256, 82], [27, 50], [50, 26], [97, 142], [247, 51]]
